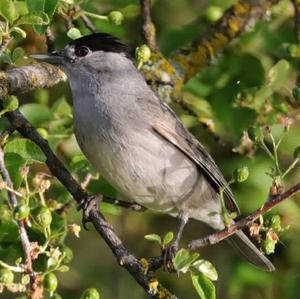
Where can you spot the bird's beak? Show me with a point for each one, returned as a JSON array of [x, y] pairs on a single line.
[[53, 58]]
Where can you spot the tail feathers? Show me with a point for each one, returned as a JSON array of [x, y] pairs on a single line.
[[249, 251]]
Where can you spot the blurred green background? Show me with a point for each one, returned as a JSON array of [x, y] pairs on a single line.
[[244, 65]]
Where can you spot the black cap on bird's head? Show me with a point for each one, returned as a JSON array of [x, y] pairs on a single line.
[[84, 46], [101, 42]]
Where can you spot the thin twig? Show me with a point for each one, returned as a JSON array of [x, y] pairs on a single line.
[[13, 202], [50, 40], [6, 133], [86, 20], [149, 31], [230, 230], [4, 45]]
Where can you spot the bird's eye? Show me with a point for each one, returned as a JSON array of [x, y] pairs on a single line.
[[82, 51]]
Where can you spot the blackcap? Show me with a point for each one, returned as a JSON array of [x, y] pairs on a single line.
[[138, 143]]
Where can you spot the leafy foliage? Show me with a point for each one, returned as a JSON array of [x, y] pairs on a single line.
[[248, 98]]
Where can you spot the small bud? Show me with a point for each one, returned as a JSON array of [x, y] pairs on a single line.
[[75, 229], [142, 54], [90, 293], [6, 276], [213, 13], [24, 171], [50, 283], [44, 217], [153, 285], [266, 130], [241, 174], [74, 33], [43, 132], [115, 17], [45, 185], [268, 246], [275, 223], [21, 212]]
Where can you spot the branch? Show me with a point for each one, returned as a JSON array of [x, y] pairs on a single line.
[[149, 31], [22, 230], [86, 20], [50, 40], [30, 77], [4, 44], [230, 230], [189, 61]]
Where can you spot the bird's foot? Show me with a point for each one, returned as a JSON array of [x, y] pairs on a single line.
[[87, 205], [169, 255]]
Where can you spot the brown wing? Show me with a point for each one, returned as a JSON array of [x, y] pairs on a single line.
[[170, 128]]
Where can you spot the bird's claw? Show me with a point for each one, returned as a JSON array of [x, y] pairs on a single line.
[[168, 255], [87, 205]]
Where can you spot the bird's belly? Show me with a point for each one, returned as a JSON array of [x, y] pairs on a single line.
[[155, 174], [147, 169]]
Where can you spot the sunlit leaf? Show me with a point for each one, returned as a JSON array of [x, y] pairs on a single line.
[[183, 260], [278, 74], [13, 163], [203, 285], [34, 18], [26, 149], [74, 33], [37, 114], [7, 10], [153, 237], [207, 268], [168, 238]]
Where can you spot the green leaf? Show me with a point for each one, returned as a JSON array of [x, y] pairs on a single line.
[[204, 287], [19, 31], [7, 10], [50, 7], [183, 260], [34, 5], [21, 8], [61, 108], [79, 163], [17, 54], [37, 114], [6, 57], [168, 238], [63, 268], [10, 103], [13, 163], [278, 74], [153, 237], [206, 268], [74, 33], [34, 18], [26, 149]]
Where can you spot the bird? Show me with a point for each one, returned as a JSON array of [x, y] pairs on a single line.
[[138, 143]]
